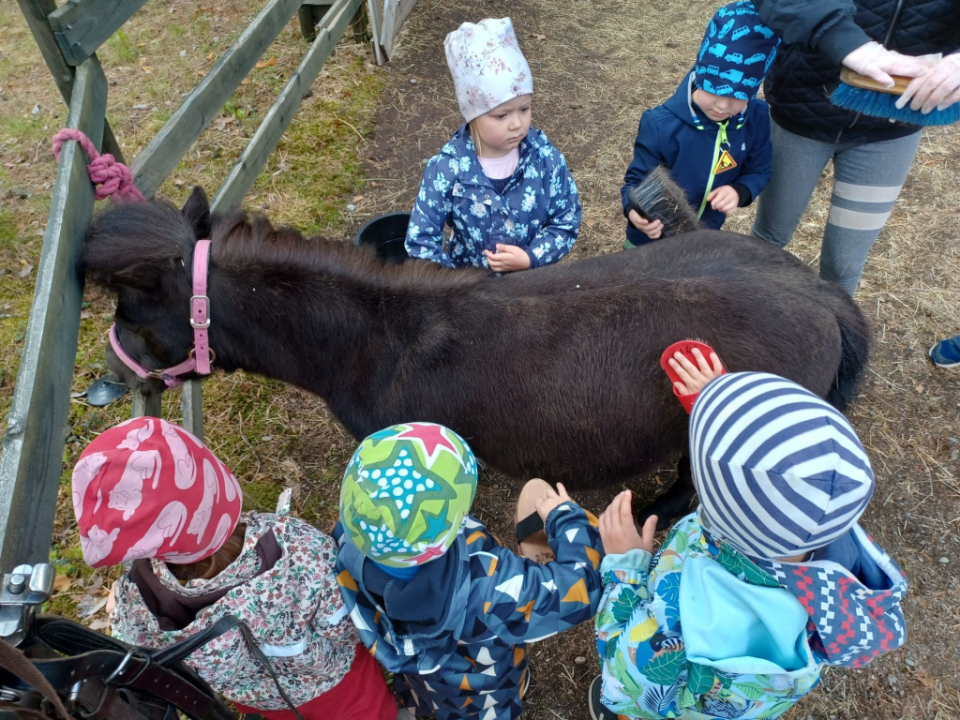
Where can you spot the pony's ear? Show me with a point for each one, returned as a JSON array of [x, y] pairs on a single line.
[[144, 277], [196, 211]]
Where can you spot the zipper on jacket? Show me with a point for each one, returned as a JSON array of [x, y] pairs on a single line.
[[721, 140]]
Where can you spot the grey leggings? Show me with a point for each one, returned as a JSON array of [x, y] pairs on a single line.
[[867, 181]]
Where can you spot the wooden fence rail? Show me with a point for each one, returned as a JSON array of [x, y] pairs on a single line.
[[32, 460]]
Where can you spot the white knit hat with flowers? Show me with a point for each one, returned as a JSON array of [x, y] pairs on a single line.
[[487, 65]]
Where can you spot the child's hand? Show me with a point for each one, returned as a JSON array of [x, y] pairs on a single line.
[[508, 258], [651, 228], [724, 199], [618, 531], [548, 502], [694, 377]]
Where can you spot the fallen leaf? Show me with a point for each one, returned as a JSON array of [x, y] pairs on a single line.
[[919, 388], [201, 73], [62, 583], [245, 81], [267, 63], [26, 271], [538, 36], [210, 57], [86, 315], [357, 198], [99, 624], [90, 605], [590, 223]]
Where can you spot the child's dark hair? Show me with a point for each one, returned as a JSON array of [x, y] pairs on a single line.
[[215, 564]]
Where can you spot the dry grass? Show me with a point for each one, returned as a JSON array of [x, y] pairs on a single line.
[[257, 426], [601, 64]]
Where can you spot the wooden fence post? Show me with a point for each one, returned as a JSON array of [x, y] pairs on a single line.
[[32, 459]]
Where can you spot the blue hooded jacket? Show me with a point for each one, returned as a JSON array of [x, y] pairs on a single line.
[[683, 139], [538, 210]]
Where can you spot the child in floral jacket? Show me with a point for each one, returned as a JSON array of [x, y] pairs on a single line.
[[436, 598], [500, 184], [771, 579], [150, 493]]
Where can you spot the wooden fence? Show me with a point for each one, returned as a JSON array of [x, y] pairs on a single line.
[[68, 37]]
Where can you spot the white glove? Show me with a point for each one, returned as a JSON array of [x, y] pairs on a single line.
[[875, 61], [938, 88]]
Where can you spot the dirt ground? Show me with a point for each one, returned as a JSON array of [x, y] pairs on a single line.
[[597, 64]]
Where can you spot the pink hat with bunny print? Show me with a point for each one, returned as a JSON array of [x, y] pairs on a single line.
[[148, 488], [487, 65]]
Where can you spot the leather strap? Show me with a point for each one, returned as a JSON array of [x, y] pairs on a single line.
[[15, 662]]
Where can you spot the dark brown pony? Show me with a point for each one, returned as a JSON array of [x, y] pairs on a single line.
[[553, 372]]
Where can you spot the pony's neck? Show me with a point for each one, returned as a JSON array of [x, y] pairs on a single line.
[[308, 311]]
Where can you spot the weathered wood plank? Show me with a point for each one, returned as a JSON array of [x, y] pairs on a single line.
[[376, 22], [163, 152], [33, 447], [395, 12], [255, 155], [82, 26], [35, 12], [192, 404]]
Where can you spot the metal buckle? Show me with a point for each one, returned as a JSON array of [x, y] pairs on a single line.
[[196, 325]]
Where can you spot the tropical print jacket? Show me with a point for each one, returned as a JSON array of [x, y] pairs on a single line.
[[539, 209], [658, 662], [294, 610], [473, 662]]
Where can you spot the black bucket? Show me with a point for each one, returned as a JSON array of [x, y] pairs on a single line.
[[386, 234]]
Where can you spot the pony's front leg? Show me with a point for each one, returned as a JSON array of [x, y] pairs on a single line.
[[675, 502]]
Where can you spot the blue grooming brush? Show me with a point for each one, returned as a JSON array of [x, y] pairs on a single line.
[[865, 95]]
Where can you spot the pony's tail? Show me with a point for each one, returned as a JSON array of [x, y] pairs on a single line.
[[854, 352], [658, 197]]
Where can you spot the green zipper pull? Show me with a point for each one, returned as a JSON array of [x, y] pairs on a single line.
[[721, 140]]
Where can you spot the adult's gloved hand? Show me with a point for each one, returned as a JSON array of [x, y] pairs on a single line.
[[938, 88], [875, 61]]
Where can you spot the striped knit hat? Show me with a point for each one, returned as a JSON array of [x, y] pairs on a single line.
[[778, 470]]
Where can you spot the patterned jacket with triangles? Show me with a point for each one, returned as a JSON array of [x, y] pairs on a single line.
[[474, 663]]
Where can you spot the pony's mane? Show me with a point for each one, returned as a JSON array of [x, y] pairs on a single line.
[[156, 233], [242, 238]]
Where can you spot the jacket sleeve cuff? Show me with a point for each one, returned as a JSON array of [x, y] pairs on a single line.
[[743, 192], [630, 567], [841, 40], [534, 263]]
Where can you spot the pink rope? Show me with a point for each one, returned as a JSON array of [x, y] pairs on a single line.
[[113, 179]]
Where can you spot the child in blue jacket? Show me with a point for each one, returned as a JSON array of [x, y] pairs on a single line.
[[768, 581], [504, 189], [437, 600], [713, 135]]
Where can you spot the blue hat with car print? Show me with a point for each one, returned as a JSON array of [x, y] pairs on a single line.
[[736, 53]]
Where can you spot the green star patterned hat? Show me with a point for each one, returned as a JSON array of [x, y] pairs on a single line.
[[406, 493]]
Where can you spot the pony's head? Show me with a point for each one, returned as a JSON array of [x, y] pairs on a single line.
[[143, 251]]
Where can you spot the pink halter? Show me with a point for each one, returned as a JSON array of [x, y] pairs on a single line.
[[200, 355]]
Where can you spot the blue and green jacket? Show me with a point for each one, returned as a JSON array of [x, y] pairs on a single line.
[[690, 145], [538, 210], [702, 631], [460, 647]]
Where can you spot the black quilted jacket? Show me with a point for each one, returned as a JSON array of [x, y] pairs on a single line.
[[817, 34]]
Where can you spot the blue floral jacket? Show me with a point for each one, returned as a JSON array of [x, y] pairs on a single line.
[[473, 662], [702, 631], [539, 210]]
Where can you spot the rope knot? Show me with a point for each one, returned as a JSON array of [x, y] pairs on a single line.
[[113, 179]]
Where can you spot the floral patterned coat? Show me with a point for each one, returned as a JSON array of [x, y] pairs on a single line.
[[645, 648], [294, 610], [539, 209]]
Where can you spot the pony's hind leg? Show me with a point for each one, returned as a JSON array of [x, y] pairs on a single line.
[[675, 502]]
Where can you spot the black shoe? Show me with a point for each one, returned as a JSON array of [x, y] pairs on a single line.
[[599, 711]]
